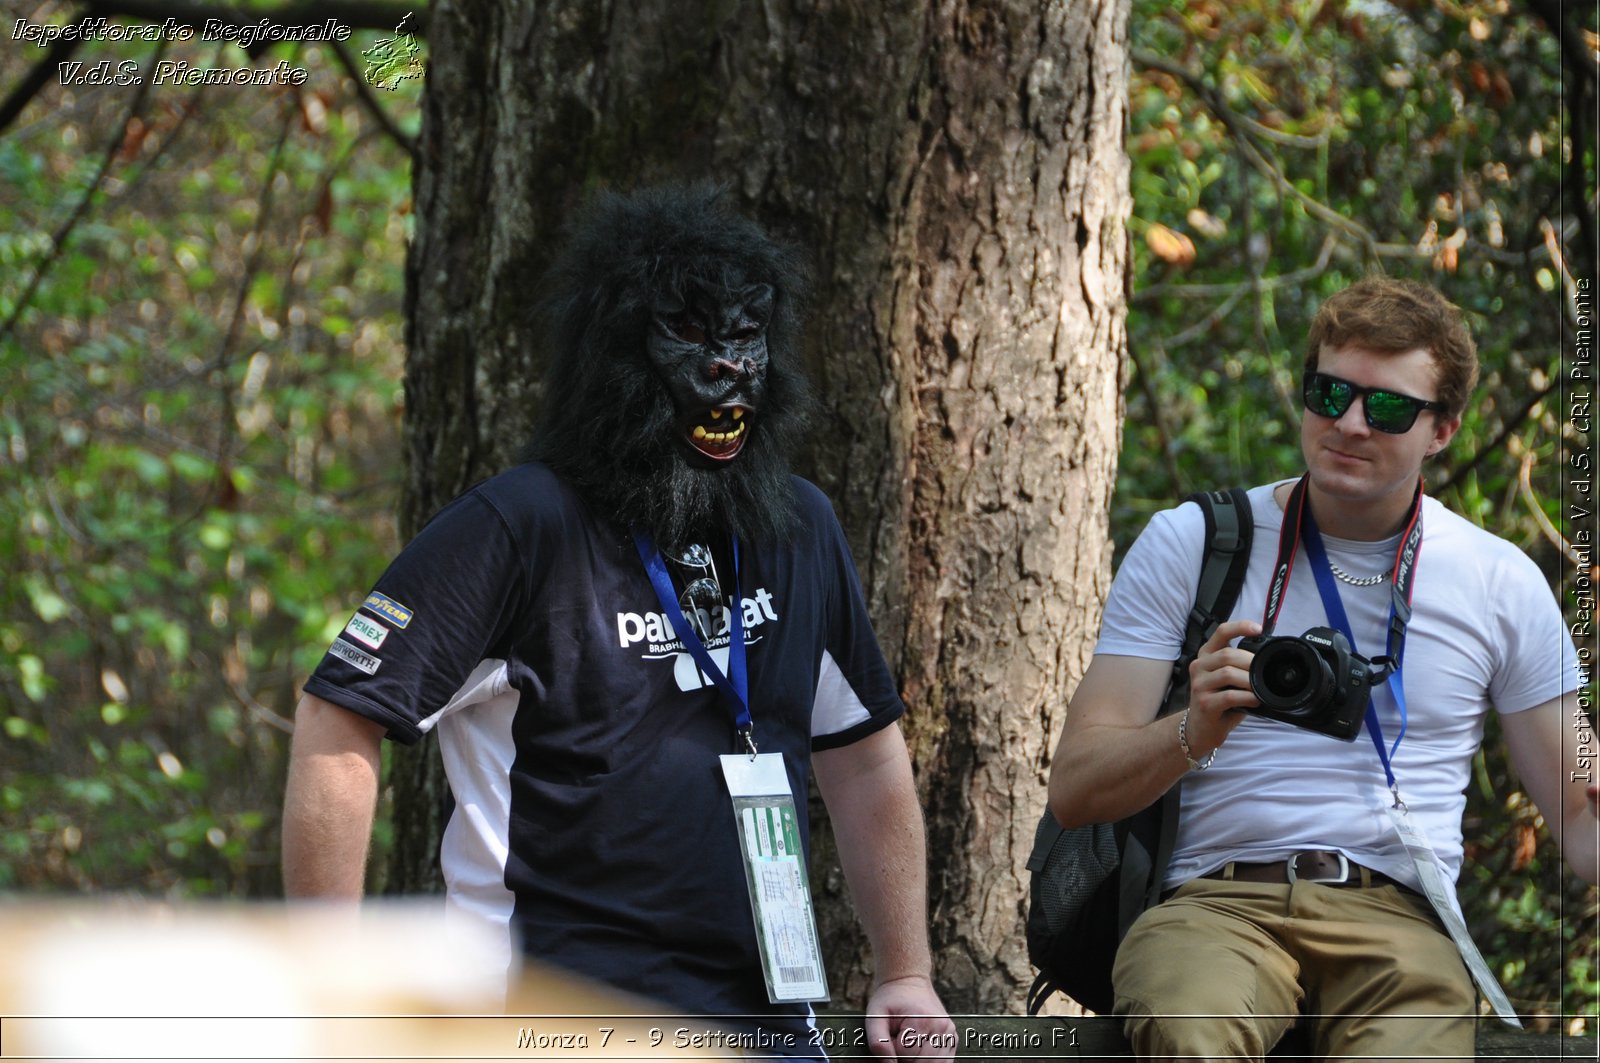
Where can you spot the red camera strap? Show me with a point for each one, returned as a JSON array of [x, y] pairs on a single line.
[[1295, 515]]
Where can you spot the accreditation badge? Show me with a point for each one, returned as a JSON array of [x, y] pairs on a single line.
[[1442, 895], [775, 871]]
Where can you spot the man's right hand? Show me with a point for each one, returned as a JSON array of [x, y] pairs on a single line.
[[1219, 687]]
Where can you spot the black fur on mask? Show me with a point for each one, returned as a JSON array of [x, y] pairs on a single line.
[[608, 425]]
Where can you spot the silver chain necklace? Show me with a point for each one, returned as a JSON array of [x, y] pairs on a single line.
[[1357, 581]]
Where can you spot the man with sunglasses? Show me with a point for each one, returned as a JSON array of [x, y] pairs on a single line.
[[1298, 888]]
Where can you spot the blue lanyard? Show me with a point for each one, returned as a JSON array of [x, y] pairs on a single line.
[[1334, 607], [1299, 525], [735, 685]]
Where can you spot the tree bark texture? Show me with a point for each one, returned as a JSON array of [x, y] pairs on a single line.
[[956, 171]]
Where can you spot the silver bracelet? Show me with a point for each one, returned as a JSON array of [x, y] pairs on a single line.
[[1183, 744]]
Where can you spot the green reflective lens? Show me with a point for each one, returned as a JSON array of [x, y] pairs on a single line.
[[1328, 396], [1389, 412]]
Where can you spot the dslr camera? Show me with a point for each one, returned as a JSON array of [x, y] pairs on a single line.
[[1315, 681]]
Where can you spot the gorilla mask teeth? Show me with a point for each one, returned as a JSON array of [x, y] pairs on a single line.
[[719, 433]]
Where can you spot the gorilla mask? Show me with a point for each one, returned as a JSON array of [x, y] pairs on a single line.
[[673, 395], [711, 353]]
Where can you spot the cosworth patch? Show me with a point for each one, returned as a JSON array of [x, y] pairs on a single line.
[[349, 654], [388, 608]]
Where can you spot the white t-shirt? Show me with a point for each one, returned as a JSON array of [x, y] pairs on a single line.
[[1485, 631]]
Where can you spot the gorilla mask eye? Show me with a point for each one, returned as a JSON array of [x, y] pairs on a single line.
[[746, 320], [686, 329]]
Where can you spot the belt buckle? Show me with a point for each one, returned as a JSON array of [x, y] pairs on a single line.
[[1343, 876]]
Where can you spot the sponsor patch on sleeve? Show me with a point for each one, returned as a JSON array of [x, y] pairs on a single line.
[[367, 632], [352, 656], [388, 608]]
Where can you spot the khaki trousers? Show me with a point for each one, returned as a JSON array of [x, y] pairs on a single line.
[[1221, 969]]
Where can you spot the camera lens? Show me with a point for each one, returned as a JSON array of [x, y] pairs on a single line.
[[1287, 675]]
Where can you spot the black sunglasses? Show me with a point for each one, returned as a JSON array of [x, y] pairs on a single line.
[[701, 600], [1386, 411]]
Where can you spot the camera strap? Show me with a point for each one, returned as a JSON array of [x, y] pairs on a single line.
[[1300, 527]]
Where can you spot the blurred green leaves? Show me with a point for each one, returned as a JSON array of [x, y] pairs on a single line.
[[199, 409]]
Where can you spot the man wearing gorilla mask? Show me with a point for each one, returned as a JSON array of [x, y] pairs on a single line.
[[635, 647]]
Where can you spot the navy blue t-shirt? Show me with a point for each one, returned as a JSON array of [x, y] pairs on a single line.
[[591, 825]]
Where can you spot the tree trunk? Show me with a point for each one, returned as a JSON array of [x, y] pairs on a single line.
[[957, 172]]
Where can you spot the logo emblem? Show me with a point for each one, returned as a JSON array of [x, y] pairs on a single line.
[[354, 657], [388, 608], [365, 631]]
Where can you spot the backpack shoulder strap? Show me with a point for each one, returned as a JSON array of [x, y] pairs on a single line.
[[1228, 533], [1229, 527], [1222, 569]]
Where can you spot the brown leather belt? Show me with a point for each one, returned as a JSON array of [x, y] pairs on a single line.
[[1311, 865]]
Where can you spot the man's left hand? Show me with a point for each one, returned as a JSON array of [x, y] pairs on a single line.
[[905, 1020]]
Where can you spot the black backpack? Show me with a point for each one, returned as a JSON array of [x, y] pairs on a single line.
[[1090, 883]]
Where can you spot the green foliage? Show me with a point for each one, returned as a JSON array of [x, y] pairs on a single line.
[[199, 406], [1280, 150]]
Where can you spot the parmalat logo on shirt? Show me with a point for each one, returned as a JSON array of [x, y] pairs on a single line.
[[388, 608], [654, 630]]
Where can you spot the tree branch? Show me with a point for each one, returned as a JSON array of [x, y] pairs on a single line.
[[186, 111], [1204, 325], [357, 14], [242, 695], [1507, 430], [257, 241], [1584, 67], [370, 102], [1536, 253], [1578, 58], [1146, 384], [60, 50], [1240, 127], [1206, 291], [1548, 530], [58, 242]]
